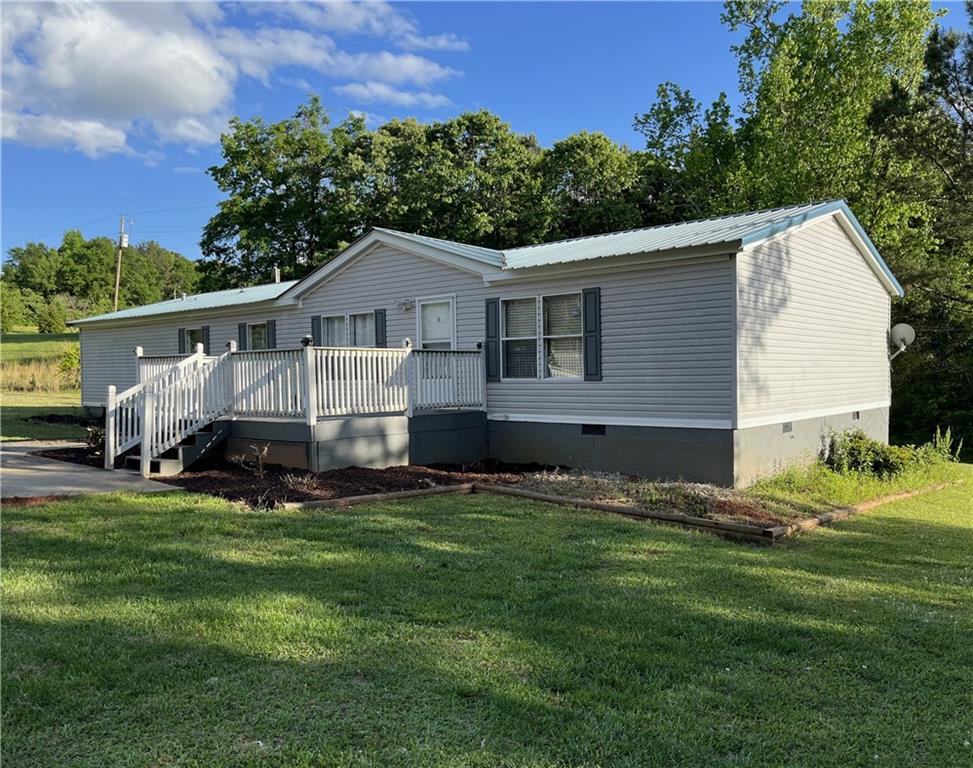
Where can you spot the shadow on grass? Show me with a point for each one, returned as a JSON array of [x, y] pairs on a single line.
[[474, 631]]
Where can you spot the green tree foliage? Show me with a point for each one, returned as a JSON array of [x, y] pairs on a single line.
[[79, 276], [13, 309], [591, 184], [51, 316]]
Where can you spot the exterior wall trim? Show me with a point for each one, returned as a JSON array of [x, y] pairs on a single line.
[[613, 421], [834, 410]]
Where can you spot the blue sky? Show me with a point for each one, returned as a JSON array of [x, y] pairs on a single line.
[[116, 108]]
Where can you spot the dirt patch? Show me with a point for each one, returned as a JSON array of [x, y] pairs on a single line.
[[30, 501], [76, 455], [279, 484]]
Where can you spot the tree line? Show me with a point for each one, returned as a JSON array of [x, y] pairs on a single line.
[[870, 101], [44, 286]]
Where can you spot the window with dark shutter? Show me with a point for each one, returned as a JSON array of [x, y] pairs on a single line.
[[492, 339], [591, 324], [380, 338]]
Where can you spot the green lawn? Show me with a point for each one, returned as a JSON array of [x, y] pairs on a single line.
[[481, 631], [21, 347], [18, 409]]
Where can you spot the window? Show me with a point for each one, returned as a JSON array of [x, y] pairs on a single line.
[[257, 336], [333, 331], [436, 324], [193, 336], [518, 336], [562, 336], [362, 329]]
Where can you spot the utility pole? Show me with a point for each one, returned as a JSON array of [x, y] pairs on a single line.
[[122, 242]]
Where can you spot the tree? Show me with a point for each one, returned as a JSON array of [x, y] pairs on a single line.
[[34, 267], [592, 186], [284, 208], [52, 317], [13, 310]]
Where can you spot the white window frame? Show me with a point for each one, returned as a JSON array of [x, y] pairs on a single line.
[[504, 339], [347, 316], [348, 329], [539, 337], [266, 325], [188, 345], [344, 341], [420, 300], [542, 353]]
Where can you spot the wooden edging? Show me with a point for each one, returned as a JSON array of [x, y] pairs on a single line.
[[370, 498], [824, 518], [732, 530], [751, 533]]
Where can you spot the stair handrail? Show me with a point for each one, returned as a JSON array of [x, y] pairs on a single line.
[[124, 411], [182, 405]]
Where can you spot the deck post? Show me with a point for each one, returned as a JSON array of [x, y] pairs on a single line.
[[148, 430], [110, 409], [483, 377], [410, 378], [310, 386], [230, 378], [139, 353]]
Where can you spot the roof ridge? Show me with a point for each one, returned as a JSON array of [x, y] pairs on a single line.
[[813, 204]]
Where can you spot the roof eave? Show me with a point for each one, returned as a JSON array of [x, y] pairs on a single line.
[[852, 228]]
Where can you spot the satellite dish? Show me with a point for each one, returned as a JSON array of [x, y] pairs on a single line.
[[902, 335]]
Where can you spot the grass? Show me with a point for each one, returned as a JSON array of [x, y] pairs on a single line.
[[180, 630], [23, 347], [18, 408], [795, 494]]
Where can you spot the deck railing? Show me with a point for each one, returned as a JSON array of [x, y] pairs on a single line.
[[186, 392]]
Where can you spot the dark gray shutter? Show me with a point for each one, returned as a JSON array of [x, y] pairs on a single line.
[[591, 326], [316, 331], [271, 334], [241, 336], [182, 341], [206, 339], [380, 339], [492, 346]]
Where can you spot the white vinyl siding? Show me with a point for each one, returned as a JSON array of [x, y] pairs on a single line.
[[667, 335], [812, 327]]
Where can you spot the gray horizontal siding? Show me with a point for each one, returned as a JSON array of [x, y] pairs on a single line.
[[813, 320], [666, 335]]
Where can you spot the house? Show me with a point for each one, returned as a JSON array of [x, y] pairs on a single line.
[[716, 350]]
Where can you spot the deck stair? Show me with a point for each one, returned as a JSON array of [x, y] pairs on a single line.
[[187, 452]]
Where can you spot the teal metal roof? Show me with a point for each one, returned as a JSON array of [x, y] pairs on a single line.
[[214, 300], [486, 255], [666, 237]]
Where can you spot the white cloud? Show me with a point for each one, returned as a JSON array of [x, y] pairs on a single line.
[[91, 137], [377, 18], [371, 92], [260, 53], [96, 77]]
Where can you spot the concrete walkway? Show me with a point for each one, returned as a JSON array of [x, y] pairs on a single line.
[[24, 475]]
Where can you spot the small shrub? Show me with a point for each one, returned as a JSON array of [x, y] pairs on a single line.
[[854, 452], [95, 438], [300, 482], [69, 366], [52, 317]]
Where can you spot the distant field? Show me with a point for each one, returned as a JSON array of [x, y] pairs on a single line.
[[34, 415], [23, 347]]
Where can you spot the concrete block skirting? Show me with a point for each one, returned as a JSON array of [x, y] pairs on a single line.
[[721, 456], [365, 441], [700, 455]]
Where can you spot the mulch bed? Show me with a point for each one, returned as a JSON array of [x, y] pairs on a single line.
[[280, 485], [76, 455]]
